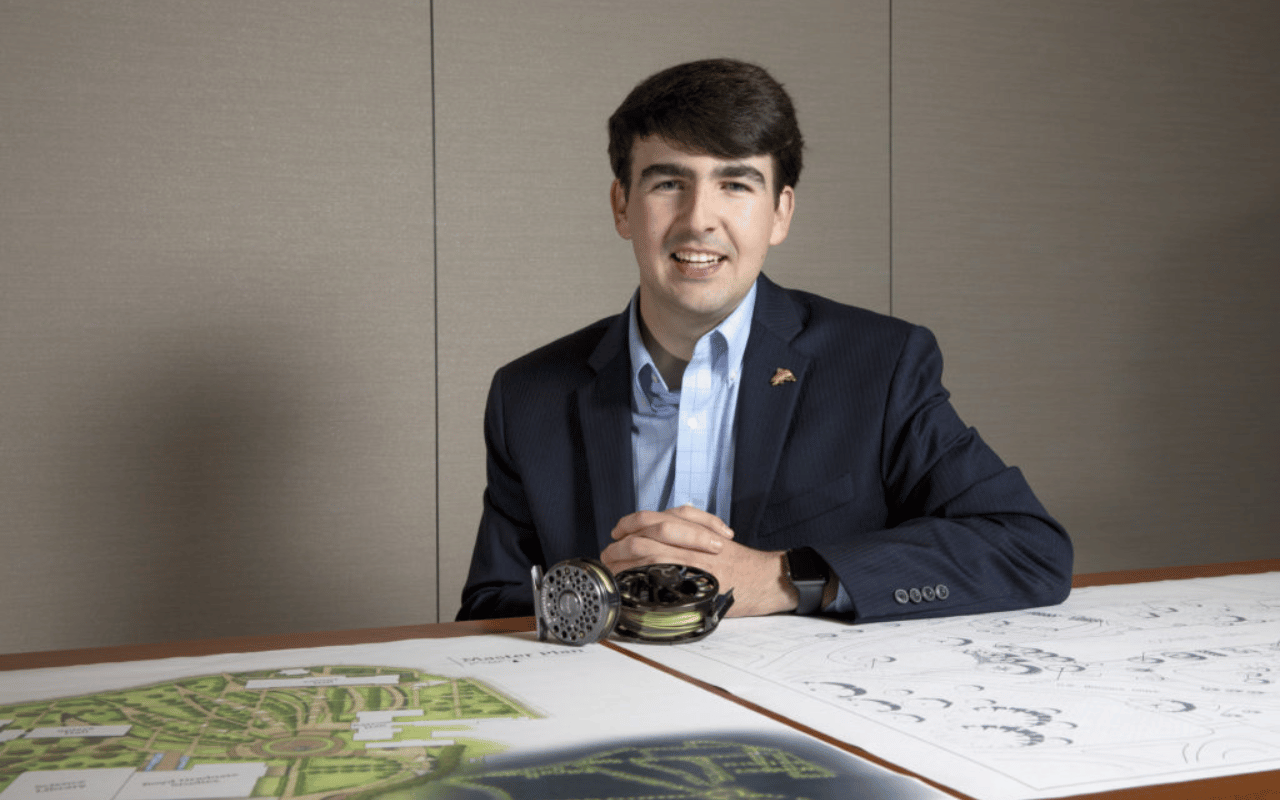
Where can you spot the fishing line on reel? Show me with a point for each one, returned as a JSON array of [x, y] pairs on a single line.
[[579, 602]]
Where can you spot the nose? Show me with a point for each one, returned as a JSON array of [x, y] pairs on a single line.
[[701, 211]]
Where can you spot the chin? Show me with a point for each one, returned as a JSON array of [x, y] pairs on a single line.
[[709, 308]]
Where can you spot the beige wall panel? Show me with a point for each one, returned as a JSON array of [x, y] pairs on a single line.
[[1086, 205], [527, 250], [215, 321]]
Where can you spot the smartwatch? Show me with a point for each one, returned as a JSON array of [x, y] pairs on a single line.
[[808, 573]]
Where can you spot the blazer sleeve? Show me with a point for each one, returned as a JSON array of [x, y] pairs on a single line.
[[964, 532], [507, 545]]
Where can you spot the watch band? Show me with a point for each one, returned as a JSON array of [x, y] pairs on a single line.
[[808, 573]]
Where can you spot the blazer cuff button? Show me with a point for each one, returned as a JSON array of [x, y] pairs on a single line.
[[901, 596]]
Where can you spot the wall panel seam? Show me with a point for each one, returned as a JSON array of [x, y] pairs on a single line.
[[889, 115], [435, 296]]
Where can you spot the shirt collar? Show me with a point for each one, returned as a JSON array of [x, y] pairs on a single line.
[[647, 384]]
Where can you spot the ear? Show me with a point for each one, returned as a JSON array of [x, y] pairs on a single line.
[[618, 200], [782, 212]]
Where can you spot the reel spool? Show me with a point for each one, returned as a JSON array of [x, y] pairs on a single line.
[[579, 602], [576, 602]]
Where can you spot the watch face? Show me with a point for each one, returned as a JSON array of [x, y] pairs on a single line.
[[808, 574], [804, 564]]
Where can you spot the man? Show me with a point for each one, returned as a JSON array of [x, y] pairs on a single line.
[[802, 451]]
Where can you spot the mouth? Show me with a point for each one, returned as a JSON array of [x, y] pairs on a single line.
[[697, 263]]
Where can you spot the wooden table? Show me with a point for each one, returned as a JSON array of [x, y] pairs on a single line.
[[1255, 786]]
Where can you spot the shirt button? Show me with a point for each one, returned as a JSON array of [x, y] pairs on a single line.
[[901, 596], [694, 424]]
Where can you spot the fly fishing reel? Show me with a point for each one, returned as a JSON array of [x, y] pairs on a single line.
[[579, 602]]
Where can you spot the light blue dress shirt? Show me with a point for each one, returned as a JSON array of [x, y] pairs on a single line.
[[682, 441]]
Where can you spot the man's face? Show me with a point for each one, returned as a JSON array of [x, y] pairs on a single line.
[[700, 226]]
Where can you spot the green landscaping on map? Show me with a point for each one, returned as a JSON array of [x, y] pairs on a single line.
[[298, 733]]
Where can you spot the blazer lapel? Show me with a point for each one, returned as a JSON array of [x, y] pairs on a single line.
[[604, 413], [766, 402], [763, 416]]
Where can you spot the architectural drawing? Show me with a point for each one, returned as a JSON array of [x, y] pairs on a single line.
[[1119, 686], [737, 767], [298, 733], [459, 719]]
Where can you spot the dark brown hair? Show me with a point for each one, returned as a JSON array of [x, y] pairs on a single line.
[[723, 107]]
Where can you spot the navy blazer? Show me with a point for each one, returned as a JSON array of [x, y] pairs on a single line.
[[862, 457]]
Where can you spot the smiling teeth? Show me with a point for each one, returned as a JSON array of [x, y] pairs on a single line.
[[696, 258]]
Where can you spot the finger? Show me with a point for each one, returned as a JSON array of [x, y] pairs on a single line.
[[638, 551], [658, 549], [706, 518], [642, 520], [672, 530], [635, 522]]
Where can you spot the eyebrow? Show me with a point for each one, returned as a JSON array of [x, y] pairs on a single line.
[[666, 171], [741, 171], [725, 171]]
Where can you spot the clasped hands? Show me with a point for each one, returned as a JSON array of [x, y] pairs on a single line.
[[695, 538]]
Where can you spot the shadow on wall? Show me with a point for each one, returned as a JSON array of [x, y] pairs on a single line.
[[190, 477], [1209, 394]]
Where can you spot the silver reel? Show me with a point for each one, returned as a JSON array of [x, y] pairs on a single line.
[[576, 602], [579, 602]]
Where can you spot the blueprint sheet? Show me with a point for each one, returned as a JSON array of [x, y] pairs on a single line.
[[1120, 686]]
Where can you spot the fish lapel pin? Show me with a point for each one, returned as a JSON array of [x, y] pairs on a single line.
[[781, 376]]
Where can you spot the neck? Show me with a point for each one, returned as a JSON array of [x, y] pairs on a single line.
[[670, 365]]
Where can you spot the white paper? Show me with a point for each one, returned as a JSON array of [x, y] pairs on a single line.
[[1120, 686], [528, 717]]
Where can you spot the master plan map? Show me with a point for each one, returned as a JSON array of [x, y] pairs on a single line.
[[303, 732], [472, 718]]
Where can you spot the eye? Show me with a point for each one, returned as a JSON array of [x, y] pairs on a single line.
[[666, 186], [737, 186]]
